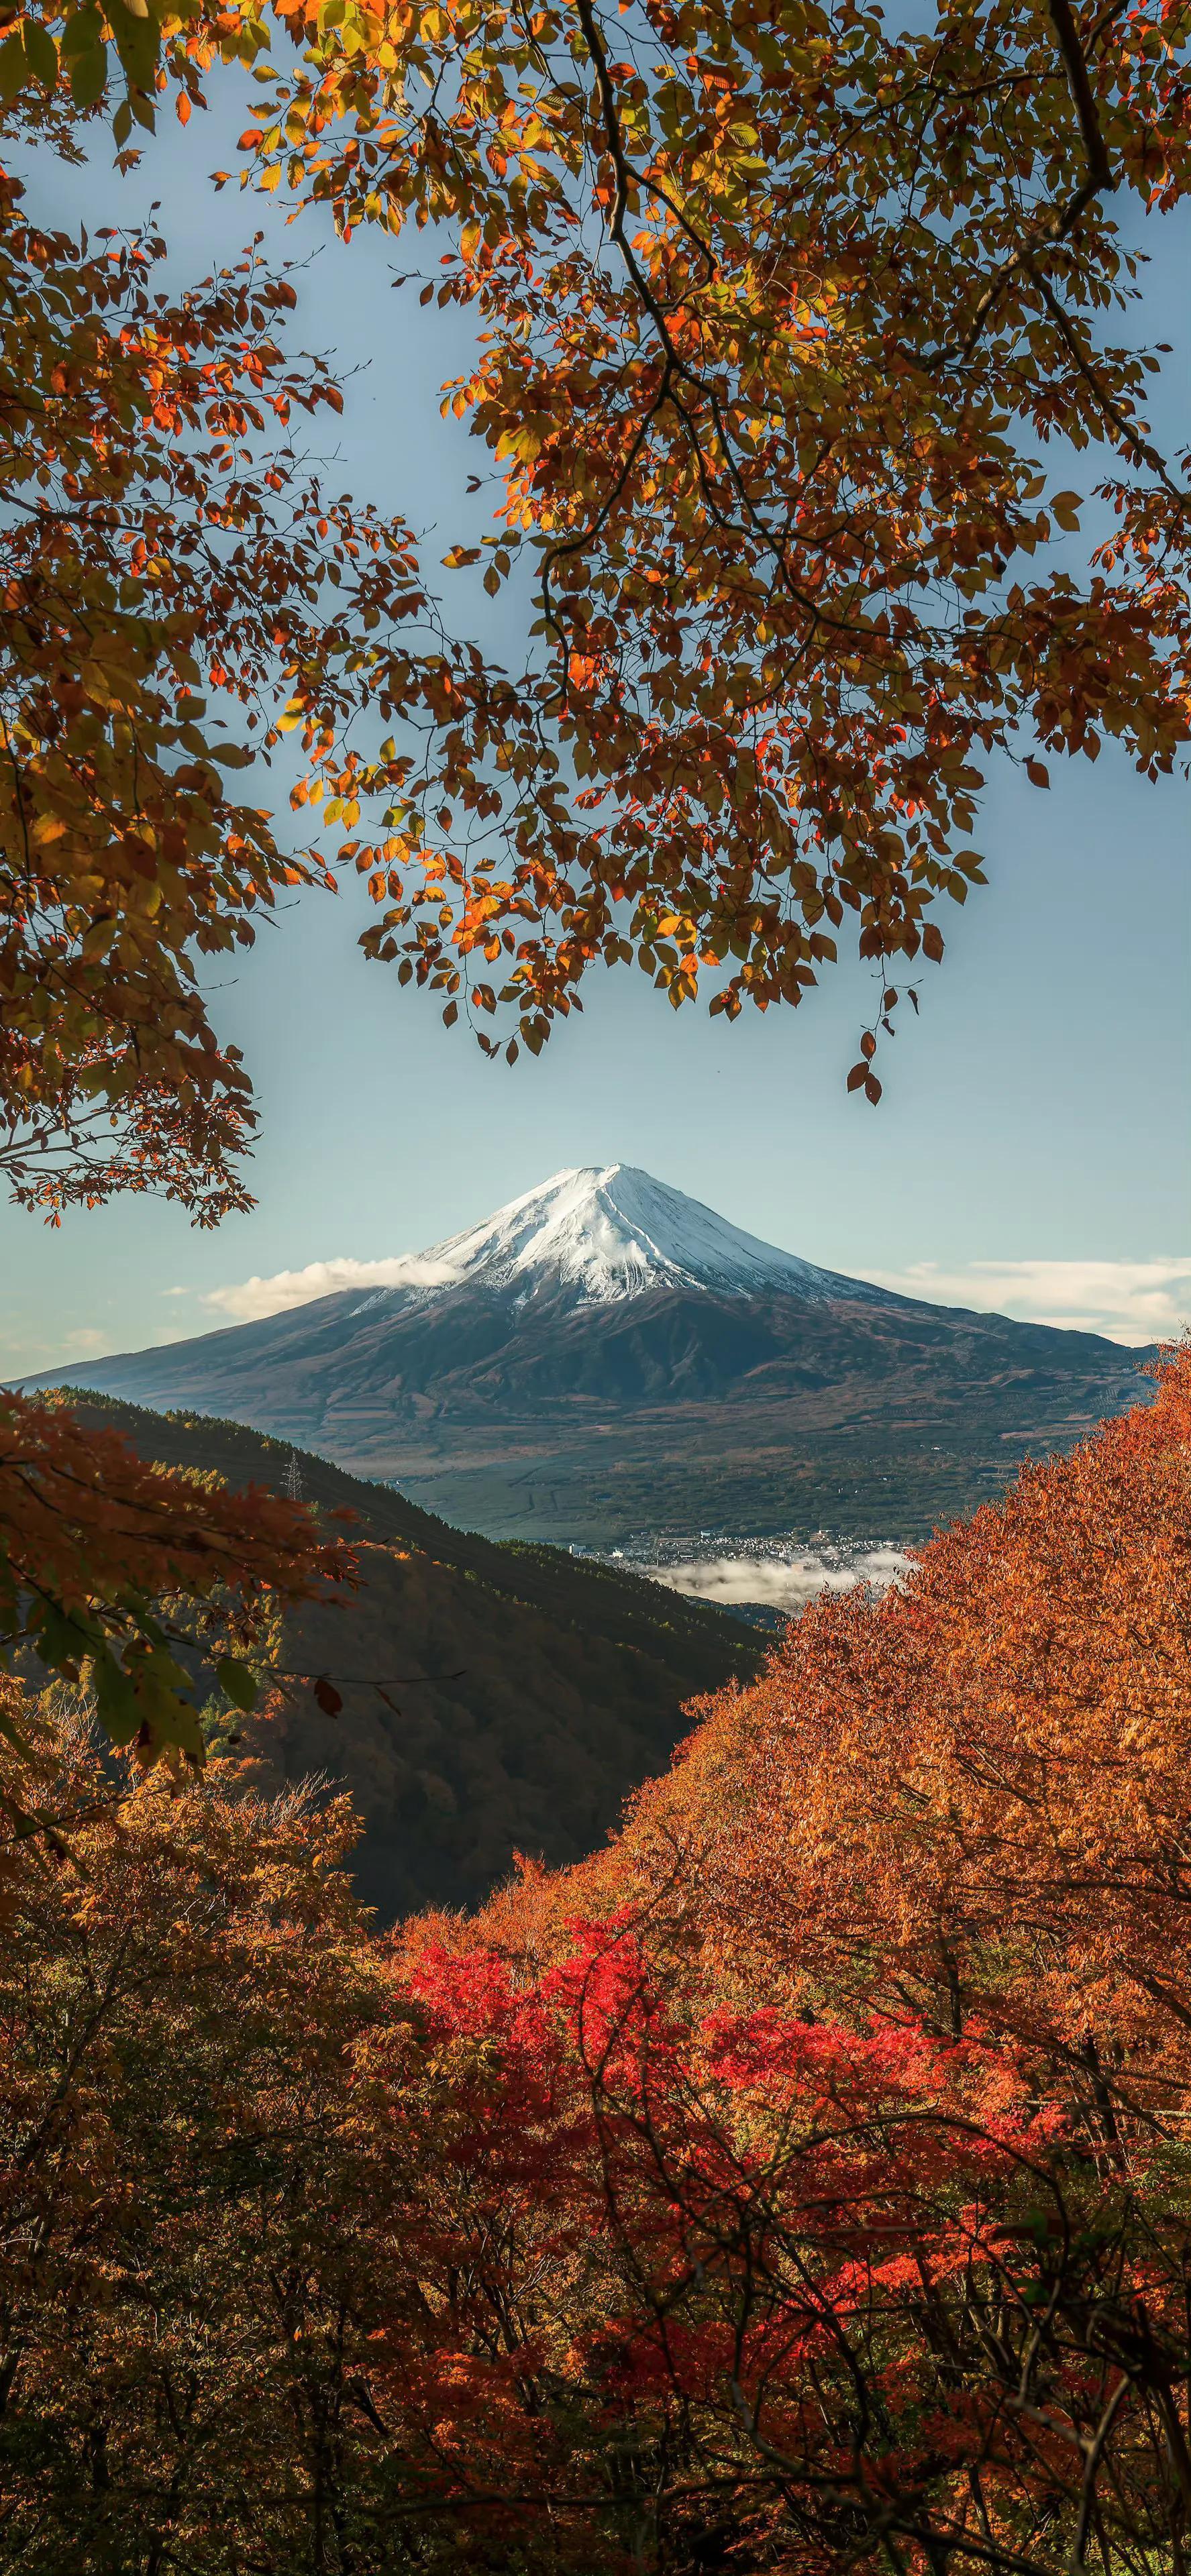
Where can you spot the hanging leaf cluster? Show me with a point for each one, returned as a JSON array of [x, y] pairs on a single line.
[[170, 578], [818, 449], [804, 358]]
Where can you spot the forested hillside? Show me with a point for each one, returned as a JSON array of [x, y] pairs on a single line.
[[495, 1699], [799, 2185]]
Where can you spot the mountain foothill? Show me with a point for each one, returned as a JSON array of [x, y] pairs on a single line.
[[493, 1699]]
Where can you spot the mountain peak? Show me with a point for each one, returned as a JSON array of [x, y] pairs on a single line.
[[608, 1231]]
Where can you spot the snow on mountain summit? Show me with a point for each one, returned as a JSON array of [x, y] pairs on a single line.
[[610, 1232]]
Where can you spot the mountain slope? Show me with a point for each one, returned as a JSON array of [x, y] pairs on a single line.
[[522, 1694], [605, 1354]]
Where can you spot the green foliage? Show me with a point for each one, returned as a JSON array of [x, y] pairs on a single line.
[[236, 1682], [113, 1572]]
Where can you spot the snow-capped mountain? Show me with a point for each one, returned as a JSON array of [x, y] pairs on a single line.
[[608, 1232], [605, 1354]]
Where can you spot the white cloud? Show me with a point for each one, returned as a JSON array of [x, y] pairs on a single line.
[[1128, 1301], [777, 1583], [84, 1343], [251, 1300]]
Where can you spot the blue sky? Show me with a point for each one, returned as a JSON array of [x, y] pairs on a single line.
[[1031, 1150]]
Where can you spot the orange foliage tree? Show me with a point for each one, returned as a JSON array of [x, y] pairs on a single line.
[[180, 2001], [967, 1798], [885, 2013], [778, 315], [170, 581], [779, 312]]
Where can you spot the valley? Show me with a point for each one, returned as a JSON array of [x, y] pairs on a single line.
[[762, 1581]]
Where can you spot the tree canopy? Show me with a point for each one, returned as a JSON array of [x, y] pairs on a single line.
[[802, 359], [780, 311], [166, 568]]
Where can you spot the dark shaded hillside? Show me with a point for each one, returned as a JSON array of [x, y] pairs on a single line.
[[529, 1740], [530, 1691]]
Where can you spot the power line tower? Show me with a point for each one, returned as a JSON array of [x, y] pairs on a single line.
[[292, 1481]]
